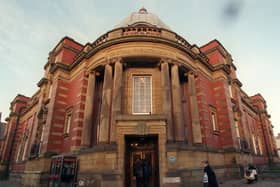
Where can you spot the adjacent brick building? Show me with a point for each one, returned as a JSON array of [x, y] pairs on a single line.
[[2, 131], [138, 91], [277, 139]]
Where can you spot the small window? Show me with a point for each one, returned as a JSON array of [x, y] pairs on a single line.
[[230, 90], [236, 125], [142, 95], [50, 91], [260, 145], [254, 144], [67, 123], [214, 119]]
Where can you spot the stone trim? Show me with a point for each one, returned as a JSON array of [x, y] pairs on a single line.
[[152, 117], [99, 148]]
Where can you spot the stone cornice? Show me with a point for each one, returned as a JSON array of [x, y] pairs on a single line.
[[17, 100], [234, 67], [46, 65], [203, 59], [29, 107], [249, 105], [264, 112], [57, 47], [236, 81], [59, 65], [223, 67], [220, 48], [66, 47], [42, 81]]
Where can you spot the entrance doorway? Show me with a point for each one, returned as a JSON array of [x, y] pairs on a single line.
[[143, 148]]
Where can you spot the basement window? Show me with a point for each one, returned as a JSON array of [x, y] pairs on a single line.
[[142, 94]]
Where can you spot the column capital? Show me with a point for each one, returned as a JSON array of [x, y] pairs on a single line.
[[167, 60], [191, 73], [113, 60], [89, 71]]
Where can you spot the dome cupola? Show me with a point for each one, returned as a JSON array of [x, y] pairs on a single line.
[[142, 17]]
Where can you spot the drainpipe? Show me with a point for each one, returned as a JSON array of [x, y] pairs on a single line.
[[7, 172]]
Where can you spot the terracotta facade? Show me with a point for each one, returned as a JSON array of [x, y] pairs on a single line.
[[84, 107]]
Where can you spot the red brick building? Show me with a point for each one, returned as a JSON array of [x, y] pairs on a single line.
[[138, 91], [2, 132]]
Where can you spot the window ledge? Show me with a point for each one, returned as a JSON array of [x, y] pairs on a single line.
[[216, 132], [65, 135]]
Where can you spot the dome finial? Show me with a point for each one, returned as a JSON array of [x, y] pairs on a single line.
[[143, 10]]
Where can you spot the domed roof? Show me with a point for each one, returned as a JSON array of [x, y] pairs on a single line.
[[142, 17]]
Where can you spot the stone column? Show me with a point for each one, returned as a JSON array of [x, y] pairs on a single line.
[[166, 99], [194, 110], [105, 106], [88, 114], [177, 104], [117, 98]]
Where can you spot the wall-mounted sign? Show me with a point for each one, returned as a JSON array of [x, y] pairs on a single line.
[[172, 159], [171, 180]]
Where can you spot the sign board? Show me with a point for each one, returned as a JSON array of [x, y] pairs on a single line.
[[171, 180]]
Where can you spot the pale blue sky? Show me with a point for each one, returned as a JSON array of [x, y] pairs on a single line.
[[249, 30]]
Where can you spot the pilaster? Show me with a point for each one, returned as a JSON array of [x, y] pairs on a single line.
[[88, 116], [117, 97], [166, 102], [197, 138], [177, 105], [106, 105]]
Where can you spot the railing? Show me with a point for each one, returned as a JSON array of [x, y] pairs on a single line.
[[132, 31], [142, 31], [182, 41], [100, 40]]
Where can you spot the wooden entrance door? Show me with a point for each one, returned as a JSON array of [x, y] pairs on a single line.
[[143, 148]]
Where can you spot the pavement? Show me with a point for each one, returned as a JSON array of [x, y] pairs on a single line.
[[7, 183], [259, 183], [231, 183]]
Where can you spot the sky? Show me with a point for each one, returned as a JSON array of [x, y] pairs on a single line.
[[248, 29]]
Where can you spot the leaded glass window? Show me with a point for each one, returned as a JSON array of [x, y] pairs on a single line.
[[142, 95]]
